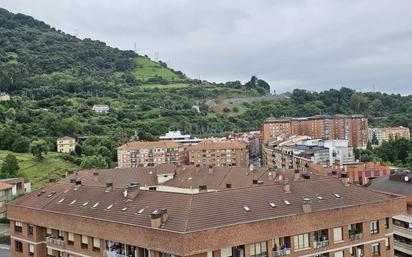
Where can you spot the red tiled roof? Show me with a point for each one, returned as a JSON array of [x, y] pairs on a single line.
[[4, 186], [149, 144], [194, 212]]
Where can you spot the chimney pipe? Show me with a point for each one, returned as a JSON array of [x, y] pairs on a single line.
[[164, 214], [202, 188], [286, 187], [210, 169], [156, 219], [306, 207], [133, 190], [109, 186], [296, 175]]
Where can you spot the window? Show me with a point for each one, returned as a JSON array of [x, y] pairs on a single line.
[[31, 249], [30, 230], [337, 235], [301, 241], [162, 254], [85, 241], [339, 254], [386, 225], [70, 238], [258, 249], [374, 227], [18, 226], [387, 243], [375, 249], [48, 232], [19, 246], [96, 244]]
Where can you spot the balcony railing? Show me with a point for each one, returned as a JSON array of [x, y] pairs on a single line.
[[55, 241], [320, 244], [403, 245], [113, 254], [355, 236], [282, 252]]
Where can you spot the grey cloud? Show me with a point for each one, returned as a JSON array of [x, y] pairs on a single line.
[[309, 44]]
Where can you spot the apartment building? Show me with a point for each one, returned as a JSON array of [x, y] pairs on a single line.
[[400, 183], [142, 154], [295, 219], [219, 153], [353, 128], [66, 144], [10, 187], [387, 134]]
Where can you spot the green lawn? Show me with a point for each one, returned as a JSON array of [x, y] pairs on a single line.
[[38, 173], [149, 69], [176, 85]]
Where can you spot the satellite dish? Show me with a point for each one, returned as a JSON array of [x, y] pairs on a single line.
[[406, 178]]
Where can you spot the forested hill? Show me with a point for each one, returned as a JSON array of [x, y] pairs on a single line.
[[54, 80], [33, 56]]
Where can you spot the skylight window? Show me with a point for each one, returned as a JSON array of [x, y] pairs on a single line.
[[140, 211], [73, 202], [319, 197], [109, 207], [286, 202], [246, 208], [306, 199], [189, 178], [272, 204], [51, 194], [61, 200], [336, 195], [124, 209], [86, 203], [95, 205]]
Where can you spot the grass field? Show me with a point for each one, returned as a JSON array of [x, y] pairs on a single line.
[[38, 173], [149, 69], [176, 85]]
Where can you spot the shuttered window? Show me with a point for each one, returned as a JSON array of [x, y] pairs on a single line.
[[337, 234], [96, 242], [84, 240]]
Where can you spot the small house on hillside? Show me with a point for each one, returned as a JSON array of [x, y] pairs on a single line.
[[66, 144], [101, 108]]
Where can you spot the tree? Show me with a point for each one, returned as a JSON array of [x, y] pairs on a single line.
[[38, 147], [95, 161], [358, 103], [10, 167], [21, 145]]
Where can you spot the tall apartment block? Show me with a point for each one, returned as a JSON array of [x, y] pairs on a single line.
[[322, 217], [387, 134], [142, 154], [220, 153], [400, 182], [353, 128]]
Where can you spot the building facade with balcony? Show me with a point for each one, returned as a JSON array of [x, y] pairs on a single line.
[[291, 219], [353, 128], [66, 144], [143, 154], [399, 182], [386, 134], [219, 153]]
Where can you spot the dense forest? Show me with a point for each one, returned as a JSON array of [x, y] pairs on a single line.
[[54, 79]]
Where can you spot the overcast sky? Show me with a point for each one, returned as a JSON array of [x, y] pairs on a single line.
[[291, 44]]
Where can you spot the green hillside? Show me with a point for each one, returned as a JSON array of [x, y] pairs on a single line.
[[38, 173]]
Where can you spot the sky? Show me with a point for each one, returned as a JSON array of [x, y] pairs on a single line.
[[309, 44]]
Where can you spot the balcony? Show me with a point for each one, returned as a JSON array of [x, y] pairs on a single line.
[[355, 236], [113, 254], [281, 252], [403, 247], [55, 241], [320, 244]]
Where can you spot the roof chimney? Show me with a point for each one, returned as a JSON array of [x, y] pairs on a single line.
[[133, 190], [306, 207], [255, 181], [164, 214], [228, 185], [296, 175], [109, 186], [202, 188], [156, 219], [286, 187], [78, 182], [73, 180], [210, 169]]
